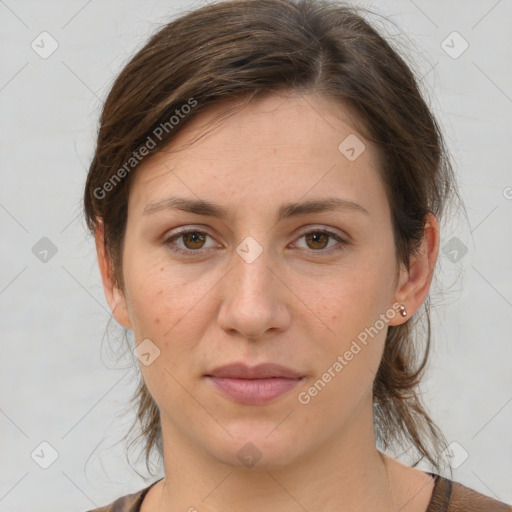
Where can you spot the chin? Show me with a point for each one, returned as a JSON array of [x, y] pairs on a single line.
[[264, 448]]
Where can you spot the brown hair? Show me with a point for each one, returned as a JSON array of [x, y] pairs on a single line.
[[242, 49]]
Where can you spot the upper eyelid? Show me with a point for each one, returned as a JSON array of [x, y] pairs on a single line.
[[187, 229], [199, 227]]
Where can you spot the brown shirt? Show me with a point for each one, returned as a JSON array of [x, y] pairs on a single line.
[[447, 496]]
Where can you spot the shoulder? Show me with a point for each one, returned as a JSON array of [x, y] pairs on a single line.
[[128, 503], [469, 500], [451, 496]]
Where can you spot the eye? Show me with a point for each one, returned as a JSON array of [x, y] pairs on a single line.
[[318, 240], [192, 239]]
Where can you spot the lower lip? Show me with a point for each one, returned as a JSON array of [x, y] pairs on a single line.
[[254, 391]]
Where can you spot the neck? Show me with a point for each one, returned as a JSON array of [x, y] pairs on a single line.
[[344, 472]]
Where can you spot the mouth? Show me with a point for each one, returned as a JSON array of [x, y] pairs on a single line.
[[256, 385]]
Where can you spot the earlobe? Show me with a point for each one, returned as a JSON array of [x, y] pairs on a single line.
[[414, 284], [119, 308], [113, 294]]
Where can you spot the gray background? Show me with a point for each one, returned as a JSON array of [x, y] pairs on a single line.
[[61, 381]]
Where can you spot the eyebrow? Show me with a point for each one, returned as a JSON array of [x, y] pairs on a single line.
[[286, 211]]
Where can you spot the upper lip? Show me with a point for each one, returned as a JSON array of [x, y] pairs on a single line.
[[261, 371]]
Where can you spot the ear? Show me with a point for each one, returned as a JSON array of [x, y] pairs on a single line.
[[114, 295], [414, 284]]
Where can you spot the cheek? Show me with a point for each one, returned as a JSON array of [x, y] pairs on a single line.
[[162, 310], [347, 361], [171, 309], [351, 307], [157, 300], [356, 296], [159, 312]]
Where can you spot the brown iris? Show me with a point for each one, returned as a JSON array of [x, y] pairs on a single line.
[[316, 238], [194, 237]]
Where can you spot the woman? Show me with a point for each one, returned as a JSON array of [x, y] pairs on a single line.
[[265, 198]]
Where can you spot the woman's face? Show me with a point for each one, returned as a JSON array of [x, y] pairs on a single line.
[[306, 287]]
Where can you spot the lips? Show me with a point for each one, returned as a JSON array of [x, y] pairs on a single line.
[[255, 385], [261, 371]]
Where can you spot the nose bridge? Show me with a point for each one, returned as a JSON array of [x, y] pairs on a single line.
[[250, 302], [251, 274]]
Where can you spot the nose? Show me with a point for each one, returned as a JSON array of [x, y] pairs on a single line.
[[254, 300]]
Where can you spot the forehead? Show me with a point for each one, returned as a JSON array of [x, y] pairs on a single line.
[[279, 144]]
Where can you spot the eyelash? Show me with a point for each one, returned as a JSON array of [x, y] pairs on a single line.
[[169, 240]]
